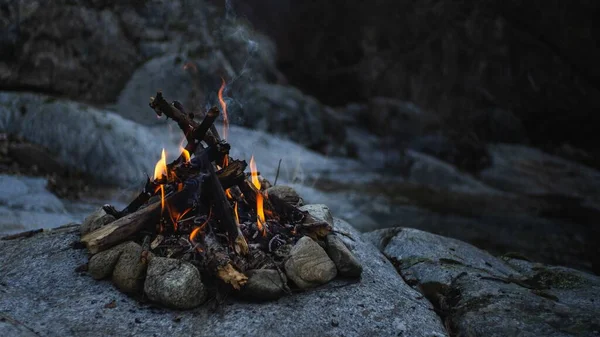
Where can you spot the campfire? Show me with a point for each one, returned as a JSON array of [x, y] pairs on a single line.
[[207, 224]]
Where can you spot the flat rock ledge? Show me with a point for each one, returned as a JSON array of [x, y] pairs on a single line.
[[44, 293], [478, 294]]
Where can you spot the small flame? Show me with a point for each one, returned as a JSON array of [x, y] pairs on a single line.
[[162, 199], [235, 211], [159, 170], [225, 161], [161, 166], [186, 154], [260, 215], [224, 108], [228, 193], [254, 173], [197, 230], [194, 234]]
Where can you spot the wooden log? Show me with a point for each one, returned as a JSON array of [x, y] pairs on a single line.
[[122, 229], [222, 207], [218, 261]]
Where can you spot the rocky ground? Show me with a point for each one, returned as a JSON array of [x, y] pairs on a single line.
[[76, 132], [420, 284]]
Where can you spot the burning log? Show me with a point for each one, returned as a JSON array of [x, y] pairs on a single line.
[[220, 264], [122, 229], [222, 206]]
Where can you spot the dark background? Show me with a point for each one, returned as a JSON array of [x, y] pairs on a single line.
[[471, 119]]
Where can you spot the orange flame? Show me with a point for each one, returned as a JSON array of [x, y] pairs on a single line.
[[228, 194], [224, 108], [235, 211], [260, 215], [254, 173], [186, 154], [161, 166], [196, 230], [159, 170]]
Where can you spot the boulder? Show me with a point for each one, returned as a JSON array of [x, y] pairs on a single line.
[[101, 265], [287, 111], [130, 270], [481, 295], [319, 212], [287, 194], [264, 285], [308, 264], [346, 263], [96, 220], [174, 283], [85, 139], [51, 299]]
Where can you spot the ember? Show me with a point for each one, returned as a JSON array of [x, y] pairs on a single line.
[[204, 209]]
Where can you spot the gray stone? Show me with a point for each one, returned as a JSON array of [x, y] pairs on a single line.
[[101, 265], [486, 296], [308, 265], [38, 286], [319, 212], [287, 194], [130, 271], [346, 263], [174, 283], [264, 285], [85, 139], [165, 72], [525, 170], [289, 112], [96, 220]]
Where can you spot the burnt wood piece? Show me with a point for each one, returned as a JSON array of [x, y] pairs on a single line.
[[121, 229], [286, 211], [189, 126], [150, 189], [161, 106], [218, 262], [250, 191], [221, 205], [198, 133], [233, 174]]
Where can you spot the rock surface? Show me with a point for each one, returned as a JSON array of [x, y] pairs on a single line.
[[480, 295], [264, 284], [308, 264], [345, 262], [174, 283], [38, 286]]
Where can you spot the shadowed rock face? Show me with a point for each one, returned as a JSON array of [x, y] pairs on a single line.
[[39, 287], [480, 295]]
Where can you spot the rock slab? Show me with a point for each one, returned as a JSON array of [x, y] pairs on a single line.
[[39, 287], [482, 295]]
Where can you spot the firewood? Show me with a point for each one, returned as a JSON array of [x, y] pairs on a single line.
[[218, 261], [121, 229], [222, 207]]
